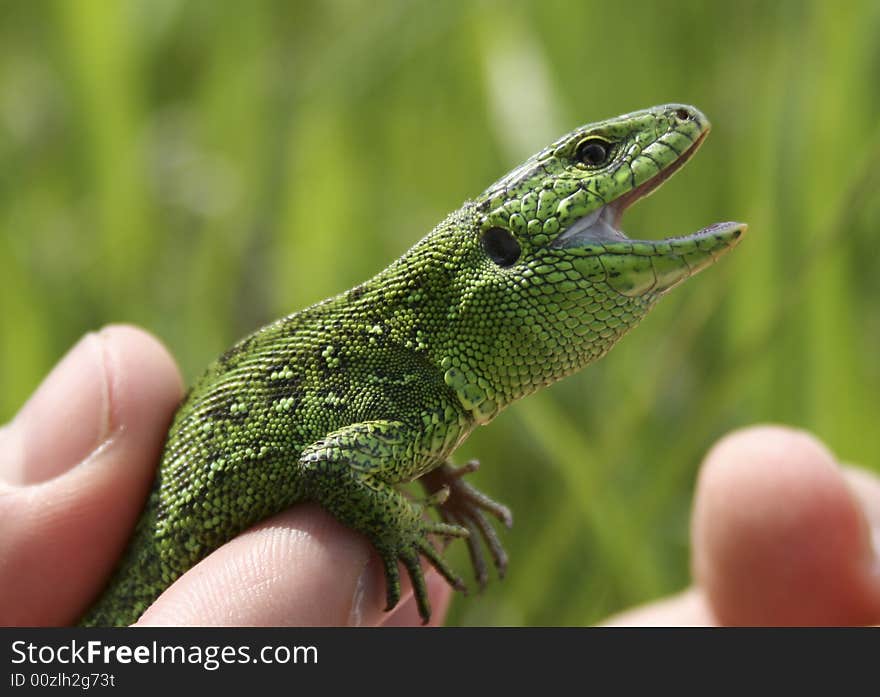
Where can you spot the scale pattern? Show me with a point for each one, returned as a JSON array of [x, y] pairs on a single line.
[[345, 400]]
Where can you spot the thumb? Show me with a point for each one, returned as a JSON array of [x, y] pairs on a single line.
[[75, 467]]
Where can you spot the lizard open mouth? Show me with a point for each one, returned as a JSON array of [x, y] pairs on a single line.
[[639, 267], [603, 225]]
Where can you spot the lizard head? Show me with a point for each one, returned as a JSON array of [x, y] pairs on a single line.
[[553, 265], [567, 201]]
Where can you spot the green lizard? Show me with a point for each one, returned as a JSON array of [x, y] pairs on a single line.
[[344, 401]]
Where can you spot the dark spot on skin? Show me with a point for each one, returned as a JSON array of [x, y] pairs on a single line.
[[323, 393], [223, 412], [228, 357], [240, 349], [237, 417], [283, 388], [214, 454]]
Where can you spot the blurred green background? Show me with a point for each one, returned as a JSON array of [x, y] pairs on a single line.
[[199, 168]]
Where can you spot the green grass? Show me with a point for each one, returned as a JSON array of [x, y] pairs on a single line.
[[200, 168]]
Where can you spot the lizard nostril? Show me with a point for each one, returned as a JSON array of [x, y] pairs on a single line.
[[683, 114]]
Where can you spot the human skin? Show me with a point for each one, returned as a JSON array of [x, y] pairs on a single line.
[[782, 534]]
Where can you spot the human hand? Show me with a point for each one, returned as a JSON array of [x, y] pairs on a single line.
[[781, 534], [76, 465]]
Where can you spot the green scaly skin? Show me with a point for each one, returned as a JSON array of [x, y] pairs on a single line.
[[344, 401]]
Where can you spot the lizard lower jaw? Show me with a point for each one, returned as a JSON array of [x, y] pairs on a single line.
[[650, 266]]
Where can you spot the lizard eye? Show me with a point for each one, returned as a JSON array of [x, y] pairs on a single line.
[[593, 152], [501, 246]]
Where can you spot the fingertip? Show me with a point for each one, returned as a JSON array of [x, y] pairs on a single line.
[[63, 421], [768, 442], [298, 568], [120, 377], [778, 537], [88, 443]]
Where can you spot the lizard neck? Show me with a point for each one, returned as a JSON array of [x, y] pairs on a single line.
[[432, 302]]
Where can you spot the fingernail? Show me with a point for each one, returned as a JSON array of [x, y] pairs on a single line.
[[63, 421], [368, 599]]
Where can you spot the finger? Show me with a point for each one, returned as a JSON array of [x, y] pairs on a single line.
[[686, 609], [298, 568], [779, 538], [77, 463]]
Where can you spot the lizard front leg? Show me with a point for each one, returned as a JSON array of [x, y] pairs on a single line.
[[353, 473]]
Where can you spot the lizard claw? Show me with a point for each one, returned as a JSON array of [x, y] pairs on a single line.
[[464, 507]]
